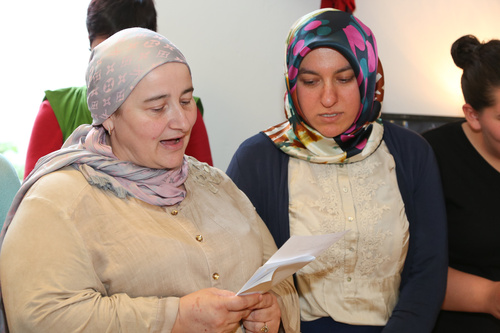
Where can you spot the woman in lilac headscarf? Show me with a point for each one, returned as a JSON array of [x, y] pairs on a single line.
[[120, 231], [334, 166]]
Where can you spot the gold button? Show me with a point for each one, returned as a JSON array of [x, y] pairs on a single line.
[[349, 279], [345, 189], [215, 276], [199, 238], [350, 218], [174, 212]]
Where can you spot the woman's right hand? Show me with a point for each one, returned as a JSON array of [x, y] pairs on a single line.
[[213, 310]]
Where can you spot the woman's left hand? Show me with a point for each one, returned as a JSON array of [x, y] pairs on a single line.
[[266, 314]]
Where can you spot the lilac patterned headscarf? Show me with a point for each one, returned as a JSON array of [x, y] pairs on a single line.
[[119, 63], [350, 37]]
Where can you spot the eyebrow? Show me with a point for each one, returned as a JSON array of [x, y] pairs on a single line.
[[309, 71], [155, 98]]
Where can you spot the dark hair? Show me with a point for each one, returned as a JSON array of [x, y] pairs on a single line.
[[106, 17], [481, 70]]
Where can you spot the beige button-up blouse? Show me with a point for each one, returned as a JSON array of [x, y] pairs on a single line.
[[356, 281], [78, 259]]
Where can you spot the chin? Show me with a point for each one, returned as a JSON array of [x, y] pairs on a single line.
[[173, 164]]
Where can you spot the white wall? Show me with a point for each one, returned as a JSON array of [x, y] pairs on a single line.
[[44, 46], [236, 51], [414, 40]]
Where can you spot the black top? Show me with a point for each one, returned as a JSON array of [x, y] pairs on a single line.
[[472, 193]]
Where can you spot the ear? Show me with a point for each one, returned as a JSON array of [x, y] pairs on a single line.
[[472, 117], [109, 125]]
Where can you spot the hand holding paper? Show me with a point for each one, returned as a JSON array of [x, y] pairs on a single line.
[[297, 252]]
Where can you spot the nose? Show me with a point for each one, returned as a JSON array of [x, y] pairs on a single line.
[[178, 118], [328, 95]]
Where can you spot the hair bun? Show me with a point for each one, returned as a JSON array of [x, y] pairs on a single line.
[[463, 50]]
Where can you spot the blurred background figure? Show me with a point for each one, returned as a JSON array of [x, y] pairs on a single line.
[[9, 184]]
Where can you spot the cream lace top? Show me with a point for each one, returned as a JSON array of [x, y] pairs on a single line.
[[356, 280]]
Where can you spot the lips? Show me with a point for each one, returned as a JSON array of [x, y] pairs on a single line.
[[330, 115], [173, 143]]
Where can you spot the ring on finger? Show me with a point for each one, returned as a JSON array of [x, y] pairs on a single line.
[[264, 328]]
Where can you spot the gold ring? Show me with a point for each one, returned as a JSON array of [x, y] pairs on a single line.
[[264, 328]]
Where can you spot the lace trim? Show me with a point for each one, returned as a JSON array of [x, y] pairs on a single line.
[[369, 213], [204, 175]]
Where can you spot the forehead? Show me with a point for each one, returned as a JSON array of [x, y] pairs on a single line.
[[324, 57]]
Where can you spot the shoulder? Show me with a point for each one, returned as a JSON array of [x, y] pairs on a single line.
[[258, 148], [443, 134], [65, 97], [61, 186], [212, 185], [404, 142], [258, 141], [205, 175], [66, 91]]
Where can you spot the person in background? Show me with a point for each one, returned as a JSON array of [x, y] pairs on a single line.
[[63, 110], [468, 154], [9, 185], [332, 166], [120, 231]]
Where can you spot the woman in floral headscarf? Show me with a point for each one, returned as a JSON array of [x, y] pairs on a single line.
[[119, 231], [333, 166]]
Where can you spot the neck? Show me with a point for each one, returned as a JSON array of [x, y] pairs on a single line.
[[477, 140]]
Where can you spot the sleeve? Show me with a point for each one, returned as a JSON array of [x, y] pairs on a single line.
[[424, 276], [260, 170], [46, 136], [199, 146], [49, 283], [285, 292]]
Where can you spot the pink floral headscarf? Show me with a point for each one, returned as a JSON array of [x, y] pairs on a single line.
[[349, 36]]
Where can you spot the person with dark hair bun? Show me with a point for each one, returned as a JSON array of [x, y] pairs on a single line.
[[63, 110], [468, 153]]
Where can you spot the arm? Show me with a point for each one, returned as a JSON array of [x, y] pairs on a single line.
[[471, 293], [46, 136], [281, 304], [199, 146], [424, 275]]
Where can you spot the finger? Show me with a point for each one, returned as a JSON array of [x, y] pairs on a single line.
[[266, 301], [222, 292], [259, 316], [253, 326], [239, 303]]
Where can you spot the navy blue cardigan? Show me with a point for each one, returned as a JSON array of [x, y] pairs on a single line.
[[260, 170]]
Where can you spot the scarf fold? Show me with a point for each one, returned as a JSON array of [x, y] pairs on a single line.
[[350, 37]]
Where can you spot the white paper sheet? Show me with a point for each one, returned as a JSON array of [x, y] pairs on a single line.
[[297, 252]]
